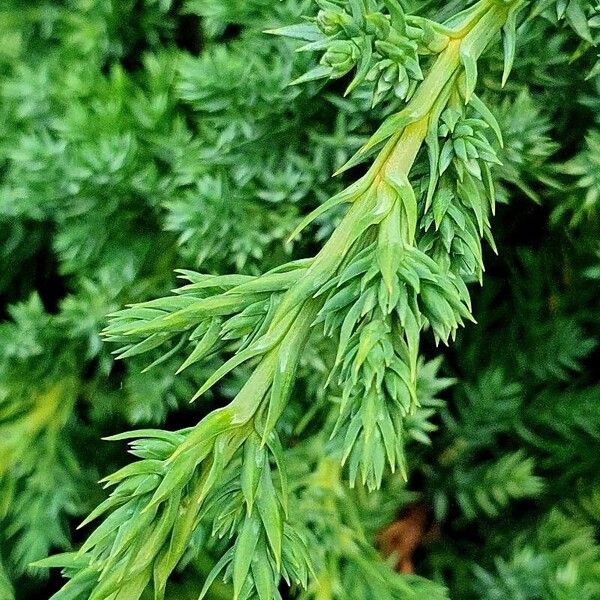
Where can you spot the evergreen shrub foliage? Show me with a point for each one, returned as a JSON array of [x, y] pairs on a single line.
[[392, 372]]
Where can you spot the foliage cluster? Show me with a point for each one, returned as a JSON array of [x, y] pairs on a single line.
[[317, 322]]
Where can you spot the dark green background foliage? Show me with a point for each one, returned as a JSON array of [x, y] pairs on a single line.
[[141, 136]]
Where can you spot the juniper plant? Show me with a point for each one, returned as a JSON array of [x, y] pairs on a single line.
[[373, 287], [403, 242]]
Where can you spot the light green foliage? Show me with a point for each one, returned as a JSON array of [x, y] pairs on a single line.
[[559, 561], [490, 487], [39, 472], [309, 317], [382, 48], [5, 586], [584, 171]]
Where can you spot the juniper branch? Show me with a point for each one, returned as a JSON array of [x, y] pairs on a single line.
[[376, 284]]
